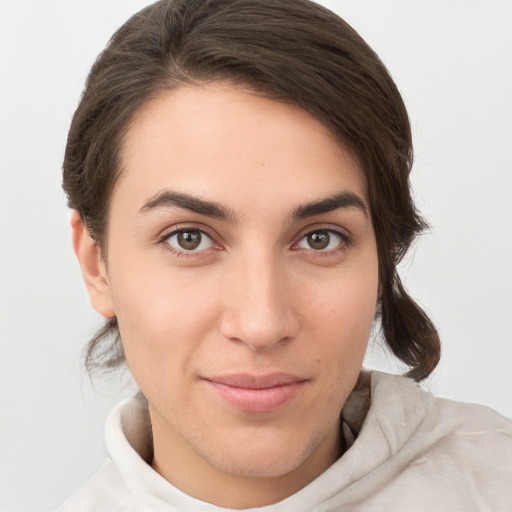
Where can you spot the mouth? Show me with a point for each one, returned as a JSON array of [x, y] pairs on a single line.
[[257, 393]]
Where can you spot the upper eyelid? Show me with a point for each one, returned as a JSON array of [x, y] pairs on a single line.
[[343, 232], [168, 232], [345, 243]]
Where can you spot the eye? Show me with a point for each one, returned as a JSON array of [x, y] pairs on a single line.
[[321, 240], [189, 240]]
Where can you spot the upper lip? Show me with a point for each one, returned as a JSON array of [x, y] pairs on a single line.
[[251, 381]]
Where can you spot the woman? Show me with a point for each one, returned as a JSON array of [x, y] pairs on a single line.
[[239, 175]]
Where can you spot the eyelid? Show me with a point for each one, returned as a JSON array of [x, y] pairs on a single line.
[[337, 230], [343, 233], [183, 227]]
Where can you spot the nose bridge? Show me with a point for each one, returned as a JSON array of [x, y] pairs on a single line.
[[258, 310]]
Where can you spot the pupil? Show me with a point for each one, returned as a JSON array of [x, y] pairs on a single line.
[[189, 239], [319, 240]]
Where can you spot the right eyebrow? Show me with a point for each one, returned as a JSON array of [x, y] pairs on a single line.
[[168, 198]]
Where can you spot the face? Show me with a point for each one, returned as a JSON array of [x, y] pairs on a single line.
[[242, 268]]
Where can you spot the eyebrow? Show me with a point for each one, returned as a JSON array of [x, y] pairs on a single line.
[[336, 201], [191, 203], [169, 198]]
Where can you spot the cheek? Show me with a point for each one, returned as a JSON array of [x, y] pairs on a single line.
[[163, 317], [158, 296], [340, 316], [345, 306]]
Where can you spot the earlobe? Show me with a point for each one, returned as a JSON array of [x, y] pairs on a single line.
[[93, 267]]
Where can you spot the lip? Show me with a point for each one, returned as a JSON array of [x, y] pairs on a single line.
[[257, 393]]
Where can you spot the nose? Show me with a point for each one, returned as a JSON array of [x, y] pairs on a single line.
[[258, 306]]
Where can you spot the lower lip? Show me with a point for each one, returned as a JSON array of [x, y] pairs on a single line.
[[257, 400]]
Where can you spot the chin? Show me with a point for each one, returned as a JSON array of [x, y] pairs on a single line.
[[266, 458], [262, 465]]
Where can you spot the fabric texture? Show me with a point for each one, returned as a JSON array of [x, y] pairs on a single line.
[[406, 451]]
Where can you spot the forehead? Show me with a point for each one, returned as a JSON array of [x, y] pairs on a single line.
[[224, 143]]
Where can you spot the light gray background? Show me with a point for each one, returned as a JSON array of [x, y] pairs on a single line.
[[452, 60]]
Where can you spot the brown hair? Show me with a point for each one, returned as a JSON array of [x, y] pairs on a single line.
[[288, 50]]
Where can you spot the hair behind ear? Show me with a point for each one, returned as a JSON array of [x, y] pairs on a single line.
[[105, 351], [409, 332]]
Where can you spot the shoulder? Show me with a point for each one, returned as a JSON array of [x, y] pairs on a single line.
[[449, 418], [445, 424], [458, 454], [475, 441], [104, 491]]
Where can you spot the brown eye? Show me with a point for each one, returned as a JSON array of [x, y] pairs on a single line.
[[318, 240], [321, 240], [189, 240]]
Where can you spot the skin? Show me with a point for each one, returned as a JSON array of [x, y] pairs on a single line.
[[255, 297]]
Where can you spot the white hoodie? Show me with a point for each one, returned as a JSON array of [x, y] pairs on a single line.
[[413, 453]]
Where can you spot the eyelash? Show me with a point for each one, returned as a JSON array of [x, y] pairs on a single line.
[[163, 241], [345, 243]]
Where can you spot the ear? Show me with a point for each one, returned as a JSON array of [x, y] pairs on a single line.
[[93, 267]]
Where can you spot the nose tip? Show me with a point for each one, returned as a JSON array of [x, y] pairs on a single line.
[[257, 330], [259, 311]]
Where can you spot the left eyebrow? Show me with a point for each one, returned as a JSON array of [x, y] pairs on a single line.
[[329, 204]]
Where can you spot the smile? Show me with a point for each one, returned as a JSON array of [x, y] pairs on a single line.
[[252, 393]]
